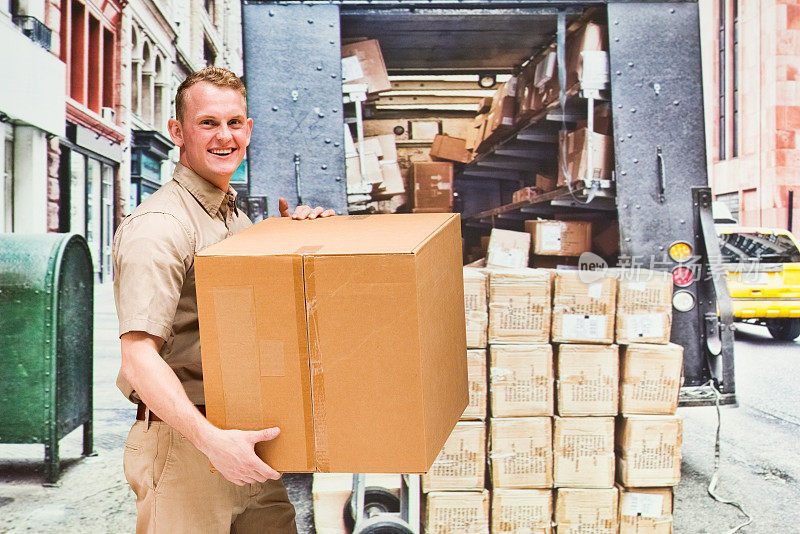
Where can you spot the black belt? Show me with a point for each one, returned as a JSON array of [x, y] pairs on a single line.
[[141, 408]]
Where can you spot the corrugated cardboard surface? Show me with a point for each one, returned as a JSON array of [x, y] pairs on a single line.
[[476, 373], [457, 512], [522, 510], [580, 511], [650, 378], [519, 305], [645, 510], [644, 306], [346, 332], [583, 452], [583, 312], [370, 61], [477, 324], [560, 238], [574, 161], [461, 465], [330, 493], [508, 249], [588, 380], [521, 452], [649, 450], [521, 380], [450, 148], [433, 185], [475, 286]]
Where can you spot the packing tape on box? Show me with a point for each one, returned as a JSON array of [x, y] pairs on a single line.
[[321, 454], [302, 346]]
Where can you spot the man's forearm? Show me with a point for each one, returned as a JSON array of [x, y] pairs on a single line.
[[159, 388]]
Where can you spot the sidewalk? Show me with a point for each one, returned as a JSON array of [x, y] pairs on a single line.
[[92, 494]]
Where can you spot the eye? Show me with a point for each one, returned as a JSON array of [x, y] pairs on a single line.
[[235, 122], [206, 122]]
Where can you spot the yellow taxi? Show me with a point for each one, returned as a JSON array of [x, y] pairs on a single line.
[[762, 269]]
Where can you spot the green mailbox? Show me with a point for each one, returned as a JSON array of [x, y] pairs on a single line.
[[46, 341]]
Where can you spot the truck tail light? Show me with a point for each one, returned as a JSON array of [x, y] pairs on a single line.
[[682, 276], [683, 301], [680, 251]]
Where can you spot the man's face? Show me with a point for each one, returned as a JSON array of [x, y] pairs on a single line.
[[214, 132]]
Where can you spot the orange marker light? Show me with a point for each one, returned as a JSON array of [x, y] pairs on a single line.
[[680, 252]]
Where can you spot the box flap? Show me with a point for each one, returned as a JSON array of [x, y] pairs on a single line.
[[342, 235]]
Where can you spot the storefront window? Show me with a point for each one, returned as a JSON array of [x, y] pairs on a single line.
[[77, 194], [108, 217], [93, 211]]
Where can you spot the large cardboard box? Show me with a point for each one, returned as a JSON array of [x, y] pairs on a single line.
[[457, 512], [508, 249], [521, 452], [475, 133], [580, 511], [476, 374], [519, 305], [649, 450], [644, 306], [645, 510], [650, 378], [583, 452], [346, 332], [574, 162], [583, 309], [560, 238], [433, 185], [521, 380], [450, 148], [515, 511], [477, 314], [588, 380], [330, 492], [362, 62], [461, 465]]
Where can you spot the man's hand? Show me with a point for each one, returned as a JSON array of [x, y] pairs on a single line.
[[231, 452], [303, 212]]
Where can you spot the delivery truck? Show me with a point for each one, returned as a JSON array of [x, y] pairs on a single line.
[[653, 182]]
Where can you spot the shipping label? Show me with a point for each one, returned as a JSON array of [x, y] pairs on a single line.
[[645, 325], [351, 69], [549, 238], [642, 504], [578, 326]]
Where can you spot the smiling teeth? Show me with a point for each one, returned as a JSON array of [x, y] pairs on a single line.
[[224, 152]]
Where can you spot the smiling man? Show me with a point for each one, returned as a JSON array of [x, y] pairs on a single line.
[[171, 446]]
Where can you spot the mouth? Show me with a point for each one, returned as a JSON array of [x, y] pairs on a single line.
[[222, 152]]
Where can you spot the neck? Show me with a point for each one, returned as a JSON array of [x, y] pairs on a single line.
[[220, 182]]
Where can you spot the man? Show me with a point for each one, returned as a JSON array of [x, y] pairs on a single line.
[[171, 447]]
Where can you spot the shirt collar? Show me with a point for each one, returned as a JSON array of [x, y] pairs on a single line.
[[207, 194]]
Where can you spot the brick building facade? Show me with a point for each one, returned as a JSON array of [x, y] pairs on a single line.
[[751, 73]]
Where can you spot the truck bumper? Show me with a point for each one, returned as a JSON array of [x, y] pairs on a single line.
[[745, 308]]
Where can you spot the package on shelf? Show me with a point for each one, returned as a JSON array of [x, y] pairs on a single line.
[[362, 62], [650, 378], [451, 512], [449, 148], [525, 194], [589, 37], [605, 238], [560, 238], [522, 510], [644, 305], [476, 375], [546, 183], [372, 170], [574, 161], [587, 380], [475, 305], [433, 185], [461, 464], [569, 263], [603, 123], [330, 492], [519, 305], [583, 452], [645, 510], [521, 380], [521, 452], [524, 91], [502, 116], [649, 450], [545, 80], [485, 105], [583, 308], [579, 511], [475, 132], [508, 249], [393, 183]]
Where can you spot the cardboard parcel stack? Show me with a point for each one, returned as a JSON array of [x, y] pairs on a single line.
[[345, 332]]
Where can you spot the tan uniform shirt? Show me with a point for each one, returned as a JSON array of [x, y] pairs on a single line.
[[153, 253]]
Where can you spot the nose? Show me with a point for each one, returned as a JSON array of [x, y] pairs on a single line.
[[224, 133]]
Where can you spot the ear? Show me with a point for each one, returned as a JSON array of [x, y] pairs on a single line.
[[249, 124], [175, 132]]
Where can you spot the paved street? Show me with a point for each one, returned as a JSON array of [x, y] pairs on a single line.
[[760, 466]]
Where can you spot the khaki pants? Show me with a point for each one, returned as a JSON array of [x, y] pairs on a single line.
[[177, 492]]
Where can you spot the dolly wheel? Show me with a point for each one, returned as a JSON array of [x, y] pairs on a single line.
[[377, 500], [784, 329], [381, 524]]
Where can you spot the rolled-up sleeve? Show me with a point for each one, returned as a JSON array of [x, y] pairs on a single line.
[[152, 254]]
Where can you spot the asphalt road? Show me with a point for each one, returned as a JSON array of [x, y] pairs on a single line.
[[760, 446]]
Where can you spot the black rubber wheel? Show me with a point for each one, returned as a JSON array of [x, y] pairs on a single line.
[[376, 500], [784, 329], [386, 527]]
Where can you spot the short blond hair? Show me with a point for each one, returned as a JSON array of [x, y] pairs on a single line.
[[213, 75]]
